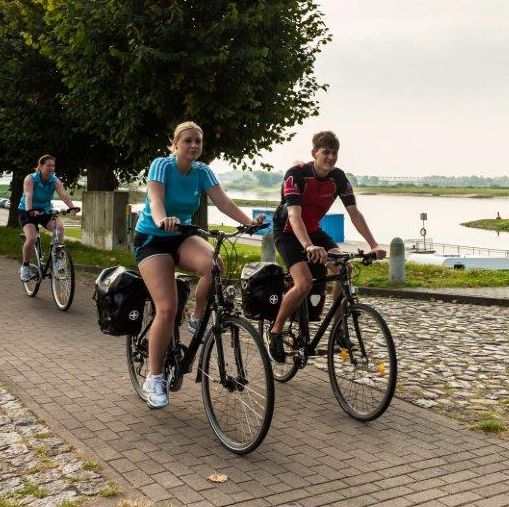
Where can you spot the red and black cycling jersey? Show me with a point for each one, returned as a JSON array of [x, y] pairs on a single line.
[[315, 195]]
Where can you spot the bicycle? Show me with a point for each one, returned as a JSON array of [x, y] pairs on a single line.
[[361, 357], [234, 367], [58, 266]]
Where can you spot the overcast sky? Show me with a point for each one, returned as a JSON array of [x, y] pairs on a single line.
[[417, 87]]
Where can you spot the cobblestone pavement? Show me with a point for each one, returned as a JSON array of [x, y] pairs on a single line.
[[37, 467], [75, 379]]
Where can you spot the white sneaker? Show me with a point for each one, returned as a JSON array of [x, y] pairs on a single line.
[[156, 390], [25, 273]]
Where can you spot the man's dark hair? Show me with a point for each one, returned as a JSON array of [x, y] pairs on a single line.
[[325, 139]]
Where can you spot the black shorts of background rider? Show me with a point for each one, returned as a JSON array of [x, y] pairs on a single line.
[[24, 218], [146, 245], [291, 250]]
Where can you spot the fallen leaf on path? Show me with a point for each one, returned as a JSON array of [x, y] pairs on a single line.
[[217, 477]]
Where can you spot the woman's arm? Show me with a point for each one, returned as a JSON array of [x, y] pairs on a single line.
[[229, 208], [28, 190], [63, 194], [155, 192]]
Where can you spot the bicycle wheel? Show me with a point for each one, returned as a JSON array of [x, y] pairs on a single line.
[[137, 352], [240, 409], [62, 278], [363, 382], [32, 286], [283, 372]]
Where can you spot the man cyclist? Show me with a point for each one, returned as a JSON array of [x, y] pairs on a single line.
[[307, 193], [38, 190]]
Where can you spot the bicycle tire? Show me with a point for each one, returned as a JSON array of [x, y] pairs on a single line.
[[240, 413], [282, 372], [137, 353], [364, 390], [63, 280], [32, 286]]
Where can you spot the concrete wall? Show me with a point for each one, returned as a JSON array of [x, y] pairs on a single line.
[[103, 222]]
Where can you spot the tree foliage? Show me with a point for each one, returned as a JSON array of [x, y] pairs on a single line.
[[134, 69]]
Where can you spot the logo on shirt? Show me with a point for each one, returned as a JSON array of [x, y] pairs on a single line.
[[290, 187]]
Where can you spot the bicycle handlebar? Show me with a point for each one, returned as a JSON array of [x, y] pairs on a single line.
[[343, 257], [68, 211], [241, 229]]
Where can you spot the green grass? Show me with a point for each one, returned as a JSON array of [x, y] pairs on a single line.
[[417, 275], [489, 424], [435, 191], [109, 491], [7, 502], [92, 466], [491, 224], [30, 489]]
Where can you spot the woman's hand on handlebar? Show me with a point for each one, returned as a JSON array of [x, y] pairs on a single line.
[[379, 252], [169, 223], [258, 220], [316, 254]]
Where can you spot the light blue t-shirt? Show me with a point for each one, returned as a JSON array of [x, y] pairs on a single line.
[[181, 192], [41, 194]]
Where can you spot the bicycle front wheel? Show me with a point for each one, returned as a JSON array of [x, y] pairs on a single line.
[[362, 362], [240, 407], [32, 285], [62, 278]]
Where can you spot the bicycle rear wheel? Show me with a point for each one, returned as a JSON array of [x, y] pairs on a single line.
[[239, 409], [62, 278], [32, 286], [137, 352], [362, 362]]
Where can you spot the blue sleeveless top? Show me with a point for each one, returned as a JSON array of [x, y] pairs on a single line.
[[42, 193]]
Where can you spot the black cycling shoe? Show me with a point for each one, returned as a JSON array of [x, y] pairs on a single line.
[[276, 349]]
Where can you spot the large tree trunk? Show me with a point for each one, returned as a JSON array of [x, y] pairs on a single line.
[[16, 193], [100, 178]]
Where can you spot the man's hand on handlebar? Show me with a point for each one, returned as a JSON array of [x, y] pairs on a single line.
[[316, 254], [169, 223]]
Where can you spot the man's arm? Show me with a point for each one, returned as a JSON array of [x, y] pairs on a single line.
[[315, 253], [361, 225]]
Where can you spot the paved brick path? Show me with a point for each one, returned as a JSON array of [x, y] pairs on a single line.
[[75, 378]]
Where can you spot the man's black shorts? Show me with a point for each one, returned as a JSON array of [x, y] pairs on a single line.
[[291, 250], [146, 245], [24, 218]]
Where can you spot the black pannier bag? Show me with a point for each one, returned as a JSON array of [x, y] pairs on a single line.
[[120, 296], [262, 289]]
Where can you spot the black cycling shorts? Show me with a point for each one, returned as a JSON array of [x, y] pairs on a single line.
[[147, 245], [292, 252], [24, 219]]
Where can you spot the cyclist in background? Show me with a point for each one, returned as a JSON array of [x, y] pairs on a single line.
[[308, 192], [174, 188], [38, 190]]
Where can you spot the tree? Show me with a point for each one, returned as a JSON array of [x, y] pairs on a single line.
[[134, 69], [32, 119]]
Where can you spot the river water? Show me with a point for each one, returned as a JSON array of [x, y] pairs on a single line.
[[392, 216]]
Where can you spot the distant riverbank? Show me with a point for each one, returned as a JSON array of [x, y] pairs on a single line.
[[489, 224]]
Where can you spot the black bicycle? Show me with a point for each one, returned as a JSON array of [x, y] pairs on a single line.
[[361, 357], [57, 264], [234, 368]]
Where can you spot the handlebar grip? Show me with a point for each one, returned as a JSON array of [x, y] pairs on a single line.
[[76, 209], [368, 258]]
